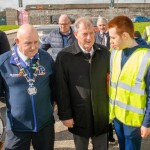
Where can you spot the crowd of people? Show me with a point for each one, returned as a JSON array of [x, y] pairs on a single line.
[[99, 81]]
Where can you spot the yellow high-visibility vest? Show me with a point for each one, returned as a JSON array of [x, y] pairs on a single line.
[[148, 33], [127, 87]]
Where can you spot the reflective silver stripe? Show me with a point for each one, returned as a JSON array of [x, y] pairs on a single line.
[[127, 107], [113, 84], [143, 66], [112, 102], [136, 89], [111, 59]]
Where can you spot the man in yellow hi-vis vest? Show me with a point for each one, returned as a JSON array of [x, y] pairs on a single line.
[[129, 84]]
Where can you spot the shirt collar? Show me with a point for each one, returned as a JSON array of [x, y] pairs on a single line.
[[84, 51], [21, 57], [104, 32]]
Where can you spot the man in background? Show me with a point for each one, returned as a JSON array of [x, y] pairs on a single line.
[[59, 38], [102, 37]]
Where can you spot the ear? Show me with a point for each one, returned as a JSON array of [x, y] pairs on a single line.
[[75, 34], [17, 41], [125, 35]]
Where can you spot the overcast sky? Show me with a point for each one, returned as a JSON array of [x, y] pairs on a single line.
[[14, 3]]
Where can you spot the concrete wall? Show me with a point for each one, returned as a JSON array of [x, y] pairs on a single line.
[[131, 10], [44, 13], [11, 17]]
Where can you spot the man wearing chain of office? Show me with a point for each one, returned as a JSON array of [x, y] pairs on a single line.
[[27, 82]]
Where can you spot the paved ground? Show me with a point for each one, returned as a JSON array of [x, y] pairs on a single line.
[[64, 140]]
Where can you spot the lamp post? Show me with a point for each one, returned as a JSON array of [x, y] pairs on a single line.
[[117, 6], [20, 3], [111, 3], [111, 6]]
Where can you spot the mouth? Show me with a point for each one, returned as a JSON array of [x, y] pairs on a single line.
[[113, 46]]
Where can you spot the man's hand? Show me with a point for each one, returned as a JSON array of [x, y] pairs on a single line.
[[68, 123], [145, 132]]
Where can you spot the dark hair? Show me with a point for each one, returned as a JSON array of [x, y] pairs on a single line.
[[137, 34]]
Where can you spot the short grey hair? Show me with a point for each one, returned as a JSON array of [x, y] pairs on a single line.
[[82, 20], [102, 19]]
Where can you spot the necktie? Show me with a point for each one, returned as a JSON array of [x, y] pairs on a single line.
[[87, 55], [28, 61], [103, 39]]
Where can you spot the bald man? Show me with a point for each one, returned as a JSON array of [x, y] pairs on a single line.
[[59, 38], [28, 84]]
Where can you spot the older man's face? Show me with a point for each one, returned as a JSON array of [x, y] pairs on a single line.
[[102, 26], [64, 24], [28, 44], [85, 36]]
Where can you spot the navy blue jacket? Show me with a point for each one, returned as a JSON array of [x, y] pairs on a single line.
[[25, 112]]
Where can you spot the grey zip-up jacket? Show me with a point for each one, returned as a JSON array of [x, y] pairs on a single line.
[[53, 43]]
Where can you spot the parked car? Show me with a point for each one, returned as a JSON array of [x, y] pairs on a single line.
[[140, 19], [44, 30]]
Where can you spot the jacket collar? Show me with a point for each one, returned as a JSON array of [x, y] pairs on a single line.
[[78, 50], [69, 33]]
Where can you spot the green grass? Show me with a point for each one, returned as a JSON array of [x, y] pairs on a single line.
[[8, 27], [140, 26]]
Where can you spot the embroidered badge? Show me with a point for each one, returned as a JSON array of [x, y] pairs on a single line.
[[41, 71]]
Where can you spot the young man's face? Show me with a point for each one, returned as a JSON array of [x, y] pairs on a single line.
[[116, 41]]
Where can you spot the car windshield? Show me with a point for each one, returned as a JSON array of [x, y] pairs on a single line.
[[44, 30]]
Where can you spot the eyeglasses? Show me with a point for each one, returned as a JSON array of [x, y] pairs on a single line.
[[64, 24]]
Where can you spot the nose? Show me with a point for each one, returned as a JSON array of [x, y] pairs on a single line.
[[89, 36], [33, 46], [111, 41]]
